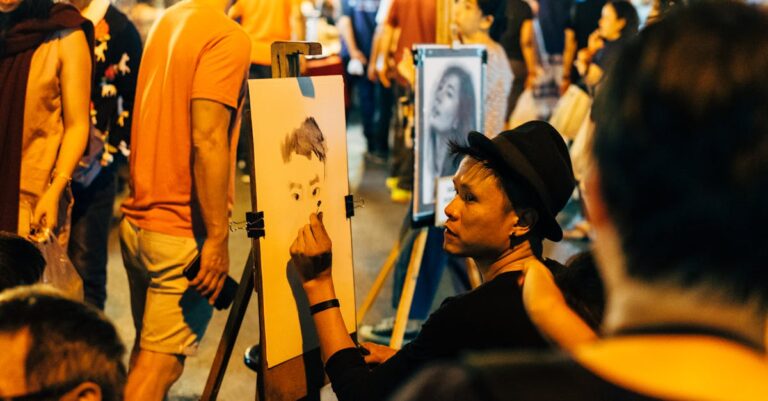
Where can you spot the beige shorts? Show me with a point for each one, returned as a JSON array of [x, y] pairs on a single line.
[[170, 316]]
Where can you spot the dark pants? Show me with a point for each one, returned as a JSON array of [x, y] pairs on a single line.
[[91, 218], [243, 153], [520, 74], [376, 104], [385, 102]]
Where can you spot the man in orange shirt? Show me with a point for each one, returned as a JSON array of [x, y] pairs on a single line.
[[190, 89]]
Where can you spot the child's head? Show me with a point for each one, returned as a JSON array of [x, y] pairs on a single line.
[[473, 16]]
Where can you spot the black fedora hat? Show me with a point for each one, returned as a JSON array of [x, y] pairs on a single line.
[[535, 154]]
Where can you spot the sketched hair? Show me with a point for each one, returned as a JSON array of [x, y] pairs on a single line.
[[305, 141]]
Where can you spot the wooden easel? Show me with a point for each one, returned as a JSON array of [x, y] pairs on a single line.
[[282, 382]]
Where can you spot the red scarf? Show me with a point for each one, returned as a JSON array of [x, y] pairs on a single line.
[[16, 52]]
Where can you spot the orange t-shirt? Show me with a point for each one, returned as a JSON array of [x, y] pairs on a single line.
[[193, 52], [265, 21], [417, 20]]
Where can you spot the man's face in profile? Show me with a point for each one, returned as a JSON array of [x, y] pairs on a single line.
[[305, 178]]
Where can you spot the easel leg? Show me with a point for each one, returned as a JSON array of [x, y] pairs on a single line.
[[231, 329], [409, 286], [389, 264]]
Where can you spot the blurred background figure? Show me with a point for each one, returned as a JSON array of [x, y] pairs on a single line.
[[142, 13], [618, 23], [357, 27], [519, 44], [582, 22], [43, 112], [117, 54]]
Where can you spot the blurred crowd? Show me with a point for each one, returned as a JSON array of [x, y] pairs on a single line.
[[649, 117]]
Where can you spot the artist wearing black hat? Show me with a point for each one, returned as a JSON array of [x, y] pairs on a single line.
[[509, 190], [678, 199]]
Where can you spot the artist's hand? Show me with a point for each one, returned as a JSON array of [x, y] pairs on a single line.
[[46, 211], [214, 266], [378, 354], [311, 251]]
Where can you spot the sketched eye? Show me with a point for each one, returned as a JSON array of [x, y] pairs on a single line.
[[315, 191], [295, 196]]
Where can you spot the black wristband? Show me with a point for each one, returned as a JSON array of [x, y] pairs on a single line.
[[321, 306]]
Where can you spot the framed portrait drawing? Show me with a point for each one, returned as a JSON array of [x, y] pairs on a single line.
[[450, 93]]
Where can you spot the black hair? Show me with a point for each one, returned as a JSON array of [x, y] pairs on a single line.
[[28, 9], [70, 342], [305, 141], [626, 11], [681, 144], [497, 10], [21, 263], [582, 287], [520, 194]]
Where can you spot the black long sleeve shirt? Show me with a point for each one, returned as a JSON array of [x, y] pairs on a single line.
[[491, 316]]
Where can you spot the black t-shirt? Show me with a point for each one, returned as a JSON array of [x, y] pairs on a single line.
[[517, 12], [491, 316], [605, 57], [519, 376], [584, 17]]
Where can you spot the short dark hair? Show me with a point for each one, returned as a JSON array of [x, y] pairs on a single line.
[[70, 342], [305, 140], [626, 11], [21, 263], [681, 144], [497, 10]]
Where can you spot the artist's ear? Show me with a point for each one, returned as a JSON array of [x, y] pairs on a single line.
[[526, 219], [88, 391], [486, 23]]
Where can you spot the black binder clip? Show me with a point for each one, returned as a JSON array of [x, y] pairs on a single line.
[[349, 203], [254, 224]]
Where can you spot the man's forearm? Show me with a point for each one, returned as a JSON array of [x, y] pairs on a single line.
[[210, 166], [345, 30], [569, 53], [211, 178], [527, 46]]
